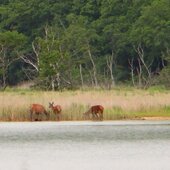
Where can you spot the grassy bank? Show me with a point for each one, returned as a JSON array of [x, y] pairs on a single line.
[[118, 103]]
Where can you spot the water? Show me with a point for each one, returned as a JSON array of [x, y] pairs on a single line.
[[124, 145]]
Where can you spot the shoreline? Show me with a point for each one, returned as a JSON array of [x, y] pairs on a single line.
[[154, 118]]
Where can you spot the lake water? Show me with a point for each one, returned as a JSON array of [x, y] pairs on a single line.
[[115, 145]]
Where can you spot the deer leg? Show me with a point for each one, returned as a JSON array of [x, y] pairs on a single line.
[[47, 115], [38, 118], [101, 116], [31, 115], [97, 115], [58, 117], [94, 116], [87, 117]]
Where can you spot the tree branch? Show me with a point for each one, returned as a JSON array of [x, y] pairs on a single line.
[[28, 61]]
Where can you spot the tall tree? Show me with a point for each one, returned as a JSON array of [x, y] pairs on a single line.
[[11, 43]]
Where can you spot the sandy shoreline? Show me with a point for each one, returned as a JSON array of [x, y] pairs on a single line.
[[84, 121], [155, 118]]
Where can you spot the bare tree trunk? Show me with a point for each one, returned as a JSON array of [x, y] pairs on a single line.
[[92, 82], [2, 66], [164, 57], [30, 62], [146, 78], [58, 80], [139, 71], [3, 72], [81, 75], [46, 31], [36, 51], [105, 78], [94, 66], [109, 60], [132, 71], [5, 62], [53, 84], [46, 37], [162, 62], [140, 52], [4, 79]]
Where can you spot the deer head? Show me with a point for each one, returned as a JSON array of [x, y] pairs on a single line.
[[51, 104]]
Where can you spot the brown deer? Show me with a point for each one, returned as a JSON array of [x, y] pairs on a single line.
[[38, 109], [96, 111], [56, 109]]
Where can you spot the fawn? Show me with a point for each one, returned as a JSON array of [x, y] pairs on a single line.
[[56, 109]]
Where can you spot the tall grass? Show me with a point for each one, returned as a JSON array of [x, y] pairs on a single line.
[[118, 103]]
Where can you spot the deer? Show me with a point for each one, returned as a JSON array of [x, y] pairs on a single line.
[[96, 111], [38, 109], [56, 109]]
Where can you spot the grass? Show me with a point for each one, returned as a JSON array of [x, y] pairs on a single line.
[[120, 103]]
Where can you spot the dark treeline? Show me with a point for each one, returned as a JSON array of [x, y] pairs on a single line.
[[76, 43]]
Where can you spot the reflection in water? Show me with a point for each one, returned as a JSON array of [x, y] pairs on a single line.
[[124, 145]]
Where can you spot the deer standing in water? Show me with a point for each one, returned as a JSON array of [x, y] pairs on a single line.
[[96, 111], [56, 109], [38, 109]]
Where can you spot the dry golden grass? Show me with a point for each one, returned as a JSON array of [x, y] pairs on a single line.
[[118, 104]]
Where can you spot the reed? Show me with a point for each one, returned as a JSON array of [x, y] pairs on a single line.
[[118, 103]]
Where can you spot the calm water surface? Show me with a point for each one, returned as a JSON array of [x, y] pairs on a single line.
[[124, 145]]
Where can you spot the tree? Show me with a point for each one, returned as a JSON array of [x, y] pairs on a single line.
[[81, 41], [162, 77], [11, 44], [88, 42], [151, 31], [53, 59]]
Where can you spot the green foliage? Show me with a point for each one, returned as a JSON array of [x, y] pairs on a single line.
[[76, 28], [152, 27], [163, 78], [12, 39], [11, 44]]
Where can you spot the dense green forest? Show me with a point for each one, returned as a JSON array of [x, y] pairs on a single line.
[[75, 43]]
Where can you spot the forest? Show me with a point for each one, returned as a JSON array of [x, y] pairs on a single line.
[[72, 44]]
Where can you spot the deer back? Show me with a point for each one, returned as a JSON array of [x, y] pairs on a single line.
[[97, 108], [37, 108], [57, 109]]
